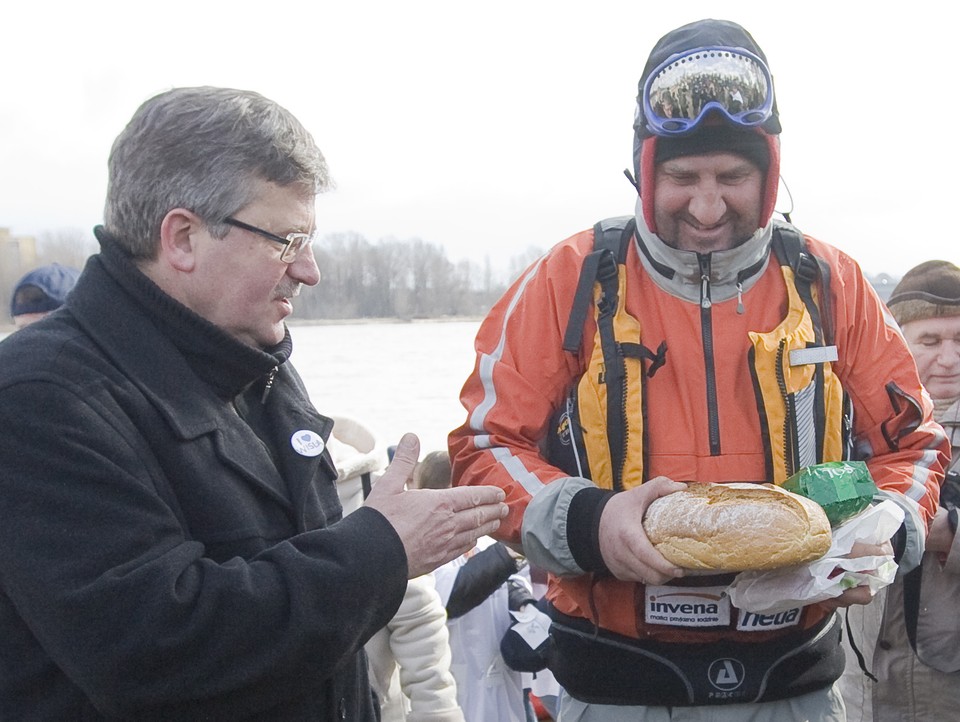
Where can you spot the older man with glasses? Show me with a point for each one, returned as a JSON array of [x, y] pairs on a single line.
[[171, 543]]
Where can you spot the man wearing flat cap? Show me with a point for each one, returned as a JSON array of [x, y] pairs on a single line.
[[910, 635], [697, 340]]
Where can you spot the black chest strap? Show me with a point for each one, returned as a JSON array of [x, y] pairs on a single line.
[[610, 240]]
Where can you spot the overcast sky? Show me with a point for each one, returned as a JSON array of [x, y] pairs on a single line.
[[490, 127]]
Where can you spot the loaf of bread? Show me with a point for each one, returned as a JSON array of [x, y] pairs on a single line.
[[735, 527]]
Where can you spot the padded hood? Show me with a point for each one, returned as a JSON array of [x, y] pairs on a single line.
[[699, 34]]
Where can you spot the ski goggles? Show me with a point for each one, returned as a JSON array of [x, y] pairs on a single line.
[[681, 91]]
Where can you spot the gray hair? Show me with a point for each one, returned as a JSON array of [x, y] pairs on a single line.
[[203, 149]]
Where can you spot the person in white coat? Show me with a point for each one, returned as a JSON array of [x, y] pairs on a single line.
[[410, 658], [478, 589]]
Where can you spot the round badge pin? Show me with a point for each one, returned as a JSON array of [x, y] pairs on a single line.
[[307, 443]]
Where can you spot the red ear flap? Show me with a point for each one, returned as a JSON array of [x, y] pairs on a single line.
[[647, 179], [773, 180]]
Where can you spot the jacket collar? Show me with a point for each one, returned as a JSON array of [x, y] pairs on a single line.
[[214, 355], [679, 272], [178, 359], [137, 339]]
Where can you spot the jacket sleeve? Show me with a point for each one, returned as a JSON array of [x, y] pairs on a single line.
[[420, 643], [97, 563], [481, 575], [520, 377], [893, 427]]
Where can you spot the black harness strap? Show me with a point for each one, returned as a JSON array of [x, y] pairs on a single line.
[[911, 603], [610, 239], [855, 648], [790, 247], [638, 350], [615, 373], [582, 302], [826, 309]]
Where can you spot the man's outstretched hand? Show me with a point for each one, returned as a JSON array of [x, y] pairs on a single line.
[[435, 525]]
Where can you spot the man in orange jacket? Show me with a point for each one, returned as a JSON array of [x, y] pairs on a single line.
[[745, 351]]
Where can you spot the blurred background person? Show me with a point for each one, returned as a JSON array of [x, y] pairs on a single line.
[[409, 659], [910, 635], [41, 291], [479, 589]]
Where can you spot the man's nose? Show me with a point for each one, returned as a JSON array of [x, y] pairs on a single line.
[[707, 205], [949, 355], [304, 268]]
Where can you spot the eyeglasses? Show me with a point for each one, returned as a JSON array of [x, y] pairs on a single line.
[[685, 88], [292, 243]]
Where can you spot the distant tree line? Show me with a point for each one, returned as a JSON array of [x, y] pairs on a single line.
[[395, 279], [361, 279]]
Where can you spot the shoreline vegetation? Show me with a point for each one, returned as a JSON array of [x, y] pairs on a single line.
[[292, 322], [8, 327], [387, 282]]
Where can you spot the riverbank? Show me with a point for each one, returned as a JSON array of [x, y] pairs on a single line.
[[8, 327]]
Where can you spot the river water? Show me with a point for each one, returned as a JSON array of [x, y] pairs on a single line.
[[393, 377]]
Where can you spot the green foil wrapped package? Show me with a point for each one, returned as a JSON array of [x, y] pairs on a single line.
[[842, 488]]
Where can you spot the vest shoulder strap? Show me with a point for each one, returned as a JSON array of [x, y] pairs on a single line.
[[611, 237], [790, 248]]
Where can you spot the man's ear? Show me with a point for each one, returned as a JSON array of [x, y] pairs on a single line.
[[178, 238]]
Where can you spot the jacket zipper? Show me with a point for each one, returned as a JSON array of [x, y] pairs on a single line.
[[618, 474], [269, 385], [789, 445], [706, 332]]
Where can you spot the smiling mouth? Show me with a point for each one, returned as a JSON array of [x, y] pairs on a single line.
[[701, 228]]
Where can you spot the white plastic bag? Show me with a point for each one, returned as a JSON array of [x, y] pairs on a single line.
[[781, 589]]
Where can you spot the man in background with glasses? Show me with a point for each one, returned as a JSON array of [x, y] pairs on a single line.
[[171, 543], [698, 340]]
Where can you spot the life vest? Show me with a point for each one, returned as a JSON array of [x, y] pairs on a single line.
[[805, 415]]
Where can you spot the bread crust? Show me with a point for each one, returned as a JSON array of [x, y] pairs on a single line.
[[735, 527]]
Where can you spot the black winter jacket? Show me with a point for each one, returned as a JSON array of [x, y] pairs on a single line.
[[164, 551]]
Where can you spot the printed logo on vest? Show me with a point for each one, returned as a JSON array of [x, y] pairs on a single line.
[[563, 429], [307, 443], [687, 606], [752, 622], [726, 674]]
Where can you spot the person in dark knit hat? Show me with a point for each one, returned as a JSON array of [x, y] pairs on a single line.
[[699, 339], [920, 679], [41, 291], [929, 290], [926, 304]]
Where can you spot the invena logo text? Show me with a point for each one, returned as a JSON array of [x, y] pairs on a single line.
[[687, 606]]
